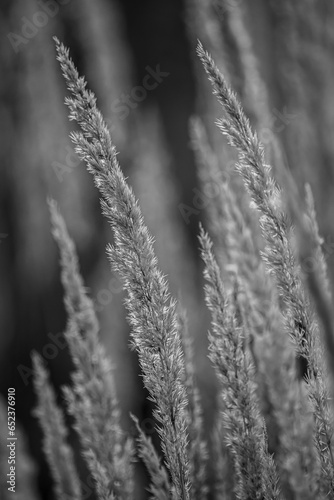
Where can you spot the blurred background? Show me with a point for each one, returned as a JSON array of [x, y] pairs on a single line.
[[140, 60]]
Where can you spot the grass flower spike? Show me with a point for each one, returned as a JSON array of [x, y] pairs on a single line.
[[151, 310], [268, 295]]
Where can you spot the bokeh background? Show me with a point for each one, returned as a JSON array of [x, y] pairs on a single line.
[[140, 60]]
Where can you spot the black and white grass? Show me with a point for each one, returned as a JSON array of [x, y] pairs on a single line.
[[274, 428]]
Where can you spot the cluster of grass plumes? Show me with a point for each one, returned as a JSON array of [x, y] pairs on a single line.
[[273, 430]]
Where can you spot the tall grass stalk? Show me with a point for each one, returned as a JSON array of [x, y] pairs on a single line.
[[151, 310], [244, 428], [57, 450], [278, 255], [92, 399], [274, 427], [198, 447]]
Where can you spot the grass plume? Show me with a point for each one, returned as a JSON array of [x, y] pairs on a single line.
[[92, 399], [55, 446], [256, 476], [151, 310], [278, 254], [265, 344]]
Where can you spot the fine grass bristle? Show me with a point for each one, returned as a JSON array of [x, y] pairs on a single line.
[[271, 339]]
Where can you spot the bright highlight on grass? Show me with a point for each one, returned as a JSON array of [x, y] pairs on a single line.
[[273, 433]]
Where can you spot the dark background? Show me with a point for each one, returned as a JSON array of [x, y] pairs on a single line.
[[113, 44]]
